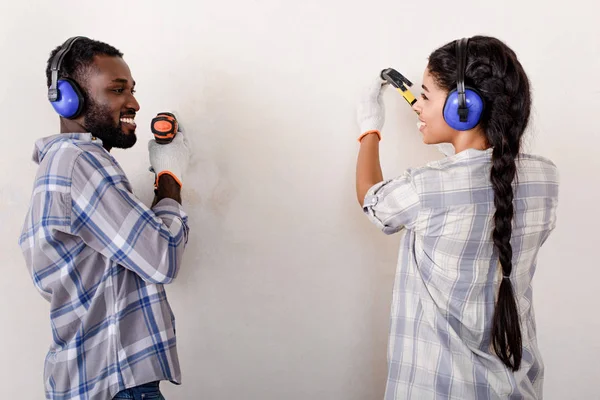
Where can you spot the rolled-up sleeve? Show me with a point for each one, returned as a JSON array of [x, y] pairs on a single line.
[[393, 204]]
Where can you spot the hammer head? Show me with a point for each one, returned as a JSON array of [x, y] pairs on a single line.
[[395, 78]]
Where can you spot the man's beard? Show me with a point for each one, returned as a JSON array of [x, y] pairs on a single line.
[[100, 123]]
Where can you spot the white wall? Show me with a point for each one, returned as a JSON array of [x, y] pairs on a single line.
[[285, 289]]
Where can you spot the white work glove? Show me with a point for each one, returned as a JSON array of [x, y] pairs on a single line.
[[370, 111], [172, 157]]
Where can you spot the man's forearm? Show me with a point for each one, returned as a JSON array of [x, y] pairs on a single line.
[[368, 168], [167, 188]]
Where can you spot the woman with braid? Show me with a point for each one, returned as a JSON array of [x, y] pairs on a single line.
[[462, 316]]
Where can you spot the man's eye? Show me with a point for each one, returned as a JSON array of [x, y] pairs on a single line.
[[133, 91], [120, 90]]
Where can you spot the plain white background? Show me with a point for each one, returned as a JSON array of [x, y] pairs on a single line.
[[286, 287]]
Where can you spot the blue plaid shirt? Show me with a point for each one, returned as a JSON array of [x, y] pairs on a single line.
[[101, 257]]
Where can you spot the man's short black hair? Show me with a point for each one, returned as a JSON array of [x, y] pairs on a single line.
[[79, 59]]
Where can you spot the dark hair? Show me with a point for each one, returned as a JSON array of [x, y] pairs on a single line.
[[494, 70], [79, 59]]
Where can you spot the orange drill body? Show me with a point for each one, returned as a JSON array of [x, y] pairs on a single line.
[[164, 127]]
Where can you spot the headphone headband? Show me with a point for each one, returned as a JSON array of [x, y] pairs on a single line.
[[55, 66], [461, 65]]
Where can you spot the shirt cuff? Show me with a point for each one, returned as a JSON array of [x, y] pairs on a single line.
[[169, 206]]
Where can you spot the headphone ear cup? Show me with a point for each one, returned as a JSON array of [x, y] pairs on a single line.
[[70, 99], [475, 106]]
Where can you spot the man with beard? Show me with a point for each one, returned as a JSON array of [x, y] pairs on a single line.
[[95, 251]]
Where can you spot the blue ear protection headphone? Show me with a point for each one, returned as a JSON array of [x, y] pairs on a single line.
[[464, 105], [64, 94]]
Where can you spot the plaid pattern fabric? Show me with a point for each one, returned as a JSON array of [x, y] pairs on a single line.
[[448, 275], [101, 257]]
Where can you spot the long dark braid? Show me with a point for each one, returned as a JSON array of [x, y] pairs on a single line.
[[493, 69]]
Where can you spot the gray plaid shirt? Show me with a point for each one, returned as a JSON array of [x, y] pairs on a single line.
[[448, 276], [101, 257]]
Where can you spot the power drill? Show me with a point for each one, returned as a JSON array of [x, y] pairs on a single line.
[[164, 127]]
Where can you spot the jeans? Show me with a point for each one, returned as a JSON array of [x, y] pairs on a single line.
[[148, 391]]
